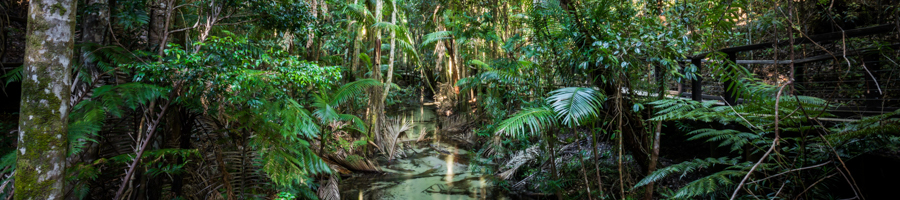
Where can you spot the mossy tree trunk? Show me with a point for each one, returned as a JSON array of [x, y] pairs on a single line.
[[46, 89], [376, 107]]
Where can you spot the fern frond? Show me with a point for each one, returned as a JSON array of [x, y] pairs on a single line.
[[733, 139], [719, 181], [684, 168], [14, 75]]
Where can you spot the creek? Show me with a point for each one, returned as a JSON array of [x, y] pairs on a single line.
[[431, 169]]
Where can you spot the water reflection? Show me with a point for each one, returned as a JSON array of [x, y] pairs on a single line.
[[450, 164], [430, 170]]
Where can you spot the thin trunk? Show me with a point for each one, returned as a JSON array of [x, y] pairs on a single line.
[[596, 157], [354, 69], [653, 160], [311, 34], [620, 136], [550, 143], [390, 71], [184, 142], [587, 184], [654, 157], [46, 89], [93, 32]]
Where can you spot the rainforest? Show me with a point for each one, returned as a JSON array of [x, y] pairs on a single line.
[[449, 99]]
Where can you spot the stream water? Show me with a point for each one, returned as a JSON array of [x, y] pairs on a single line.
[[432, 169]]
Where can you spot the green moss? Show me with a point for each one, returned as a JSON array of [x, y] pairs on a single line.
[[40, 119], [57, 7], [42, 125]]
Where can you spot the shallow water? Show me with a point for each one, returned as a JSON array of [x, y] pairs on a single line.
[[432, 169]]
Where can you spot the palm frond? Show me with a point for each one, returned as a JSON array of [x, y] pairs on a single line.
[[351, 89], [520, 158], [360, 12], [480, 64], [329, 190], [392, 130], [357, 124], [386, 26], [530, 120], [575, 104], [436, 36]]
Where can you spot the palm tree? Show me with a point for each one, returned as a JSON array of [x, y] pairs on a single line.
[[326, 105], [570, 107]]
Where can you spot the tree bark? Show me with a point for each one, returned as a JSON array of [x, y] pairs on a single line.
[[158, 24], [376, 106], [46, 91], [390, 72]]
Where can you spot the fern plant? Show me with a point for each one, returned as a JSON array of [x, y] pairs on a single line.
[[805, 151]]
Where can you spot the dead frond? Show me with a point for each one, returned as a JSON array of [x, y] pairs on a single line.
[[518, 160], [392, 130], [329, 190]]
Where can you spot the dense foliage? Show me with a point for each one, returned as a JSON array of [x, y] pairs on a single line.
[[573, 99]]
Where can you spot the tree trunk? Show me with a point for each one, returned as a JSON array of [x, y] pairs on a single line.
[[311, 49], [596, 157], [44, 111], [654, 154], [551, 140], [186, 120], [390, 72], [93, 32], [158, 24], [376, 106]]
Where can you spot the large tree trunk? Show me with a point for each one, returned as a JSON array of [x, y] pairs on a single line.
[[376, 107], [46, 89]]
